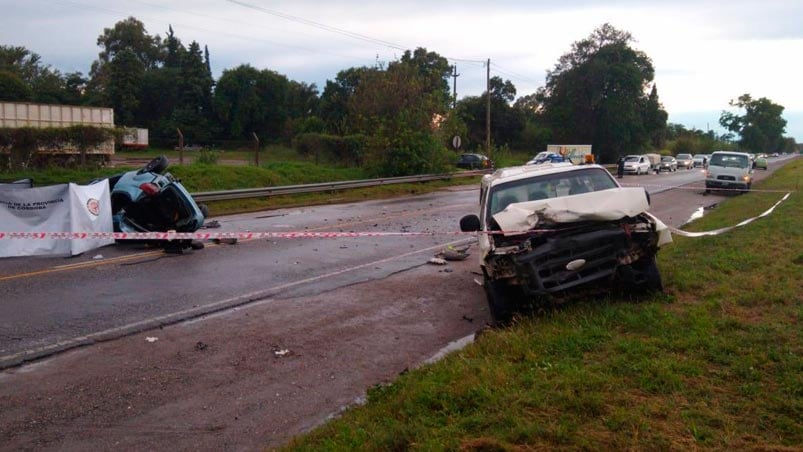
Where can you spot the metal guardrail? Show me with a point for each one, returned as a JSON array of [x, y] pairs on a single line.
[[246, 193]]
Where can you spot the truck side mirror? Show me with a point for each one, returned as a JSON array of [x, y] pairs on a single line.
[[470, 223]]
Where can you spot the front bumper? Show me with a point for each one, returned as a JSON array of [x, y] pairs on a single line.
[[542, 271], [733, 184]]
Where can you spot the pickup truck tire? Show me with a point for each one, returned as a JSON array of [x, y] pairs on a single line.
[[501, 301], [652, 277]]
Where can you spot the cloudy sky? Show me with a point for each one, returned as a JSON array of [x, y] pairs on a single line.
[[705, 52]]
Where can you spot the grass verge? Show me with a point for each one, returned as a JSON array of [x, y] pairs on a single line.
[[715, 362]]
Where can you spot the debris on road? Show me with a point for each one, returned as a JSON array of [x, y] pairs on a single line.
[[211, 225], [227, 241], [450, 253], [201, 346], [437, 261], [98, 257], [281, 353], [151, 339]]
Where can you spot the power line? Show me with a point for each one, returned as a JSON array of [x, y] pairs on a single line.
[[319, 25], [219, 32], [514, 74], [340, 31]]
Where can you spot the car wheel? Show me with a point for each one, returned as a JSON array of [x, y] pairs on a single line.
[[646, 277], [157, 165], [501, 301]]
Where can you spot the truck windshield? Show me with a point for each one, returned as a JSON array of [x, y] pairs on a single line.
[[549, 186], [729, 160]]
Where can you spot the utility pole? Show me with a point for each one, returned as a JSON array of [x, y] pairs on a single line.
[[454, 86], [180, 147], [256, 148], [488, 107]]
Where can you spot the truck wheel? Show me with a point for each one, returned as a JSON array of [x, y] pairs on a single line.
[[501, 301], [650, 277]]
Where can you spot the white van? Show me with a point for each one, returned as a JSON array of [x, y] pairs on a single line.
[[729, 170]]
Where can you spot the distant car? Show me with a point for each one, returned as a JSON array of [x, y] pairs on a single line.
[[729, 170], [685, 161], [546, 157], [761, 162], [538, 157], [474, 161], [637, 164], [668, 163], [701, 160]]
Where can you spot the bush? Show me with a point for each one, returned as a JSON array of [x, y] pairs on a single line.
[[347, 150], [408, 153], [207, 157]]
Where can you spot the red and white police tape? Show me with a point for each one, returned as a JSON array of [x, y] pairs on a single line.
[[729, 228], [692, 188], [248, 235]]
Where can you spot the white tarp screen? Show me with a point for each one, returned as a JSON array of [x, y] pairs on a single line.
[[57, 208]]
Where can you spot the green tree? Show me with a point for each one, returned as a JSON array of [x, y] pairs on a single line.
[[507, 122], [130, 35], [333, 106], [13, 88], [597, 94], [193, 110], [761, 128], [248, 101], [123, 90], [20, 61], [126, 46], [655, 119], [42, 83], [397, 109], [433, 70], [789, 145]]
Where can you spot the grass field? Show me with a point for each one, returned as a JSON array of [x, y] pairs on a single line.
[[716, 362]]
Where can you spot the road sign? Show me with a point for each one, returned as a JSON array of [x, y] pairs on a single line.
[[456, 142]]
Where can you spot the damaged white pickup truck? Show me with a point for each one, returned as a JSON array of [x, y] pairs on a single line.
[[551, 231]]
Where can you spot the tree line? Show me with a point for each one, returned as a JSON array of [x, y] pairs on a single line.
[[396, 117]]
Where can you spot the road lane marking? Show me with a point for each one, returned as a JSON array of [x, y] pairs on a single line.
[[112, 261], [186, 314]]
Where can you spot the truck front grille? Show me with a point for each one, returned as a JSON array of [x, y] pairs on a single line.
[[544, 268]]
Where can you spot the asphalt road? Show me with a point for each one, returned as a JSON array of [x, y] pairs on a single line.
[[253, 376], [53, 304]]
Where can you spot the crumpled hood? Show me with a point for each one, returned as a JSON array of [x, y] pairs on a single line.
[[606, 205]]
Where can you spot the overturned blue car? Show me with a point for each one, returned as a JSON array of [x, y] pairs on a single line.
[[152, 200]]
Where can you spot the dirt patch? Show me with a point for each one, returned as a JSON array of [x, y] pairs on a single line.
[[245, 379]]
